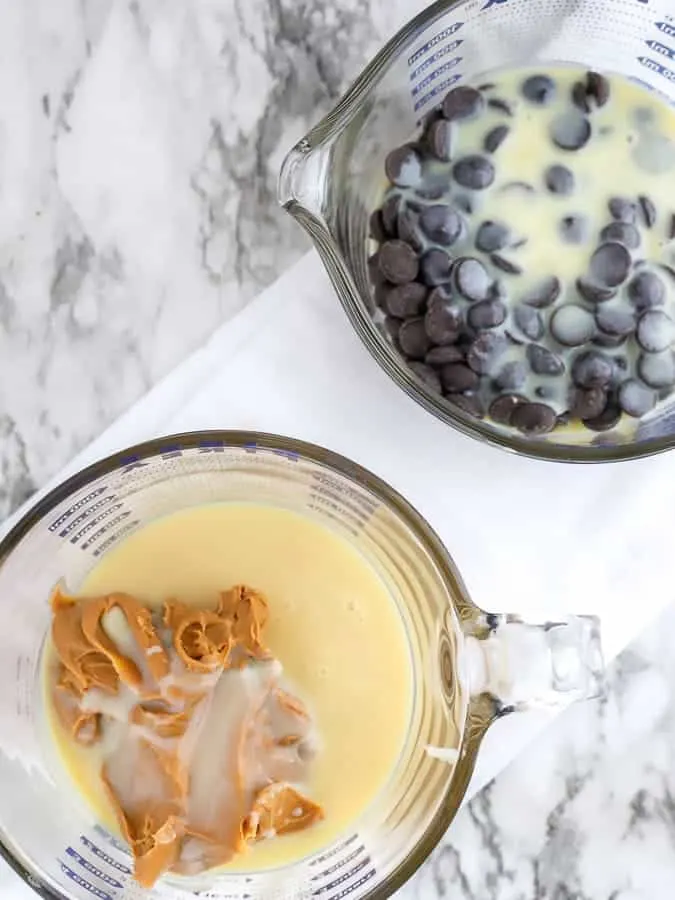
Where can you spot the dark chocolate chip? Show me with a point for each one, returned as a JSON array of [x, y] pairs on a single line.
[[587, 403], [413, 339], [441, 139], [570, 131], [615, 320], [441, 356], [592, 369], [500, 105], [485, 351], [512, 376], [647, 210], [559, 180], [539, 89], [602, 339], [492, 236], [428, 375], [646, 290], [441, 224], [472, 279], [506, 265], [390, 209], [529, 321], [376, 227], [457, 378], [502, 409], [474, 172], [403, 167], [469, 403], [463, 103], [533, 418], [655, 331], [622, 210], [610, 264], [580, 98], [635, 398], [574, 229], [623, 232], [495, 138], [486, 314], [543, 294], [407, 230], [657, 369], [392, 326], [435, 266], [406, 300], [607, 419], [443, 322], [597, 88], [543, 361], [572, 325], [398, 262], [594, 293]]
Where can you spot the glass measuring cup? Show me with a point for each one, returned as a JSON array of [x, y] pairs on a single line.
[[333, 178], [468, 667]]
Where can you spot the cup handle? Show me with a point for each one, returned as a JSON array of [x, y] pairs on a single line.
[[523, 665]]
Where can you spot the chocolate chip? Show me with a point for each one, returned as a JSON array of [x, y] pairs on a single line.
[[602, 339], [495, 138], [492, 236], [622, 209], [441, 356], [511, 376], [635, 399], [572, 325], [580, 98], [500, 105], [646, 290], [428, 375], [472, 279], [469, 403], [657, 369], [376, 227], [374, 273], [413, 339], [570, 131], [543, 362], [406, 300], [435, 267], [610, 264], [403, 167], [533, 418], [592, 369], [598, 88], [441, 224], [559, 180], [615, 320], [529, 321], [398, 262], [506, 265], [607, 419], [441, 138], [443, 322], [594, 293], [474, 171], [543, 294], [407, 230], [647, 210], [486, 314], [539, 89], [655, 331], [485, 351], [390, 210], [573, 229], [463, 103], [457, 378], [502, 409], [587, 403], [623, 232], [392, 326]]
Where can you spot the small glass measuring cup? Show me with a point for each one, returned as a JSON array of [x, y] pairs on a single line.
[[468, 667], [333, 178]]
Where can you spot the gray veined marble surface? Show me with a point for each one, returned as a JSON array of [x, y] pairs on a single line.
[[140, 142]]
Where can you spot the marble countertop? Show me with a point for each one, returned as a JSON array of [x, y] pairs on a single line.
[[139, 148]]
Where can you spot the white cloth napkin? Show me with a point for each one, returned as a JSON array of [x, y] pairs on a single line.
[[529, 537]]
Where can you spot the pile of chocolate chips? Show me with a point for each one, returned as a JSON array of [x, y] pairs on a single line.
[[460, 321]]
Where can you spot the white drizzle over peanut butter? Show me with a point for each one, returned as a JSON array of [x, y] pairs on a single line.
[[203, 746]]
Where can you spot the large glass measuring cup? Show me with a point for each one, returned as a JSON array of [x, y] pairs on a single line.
[[333, 179], [468, 667]]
